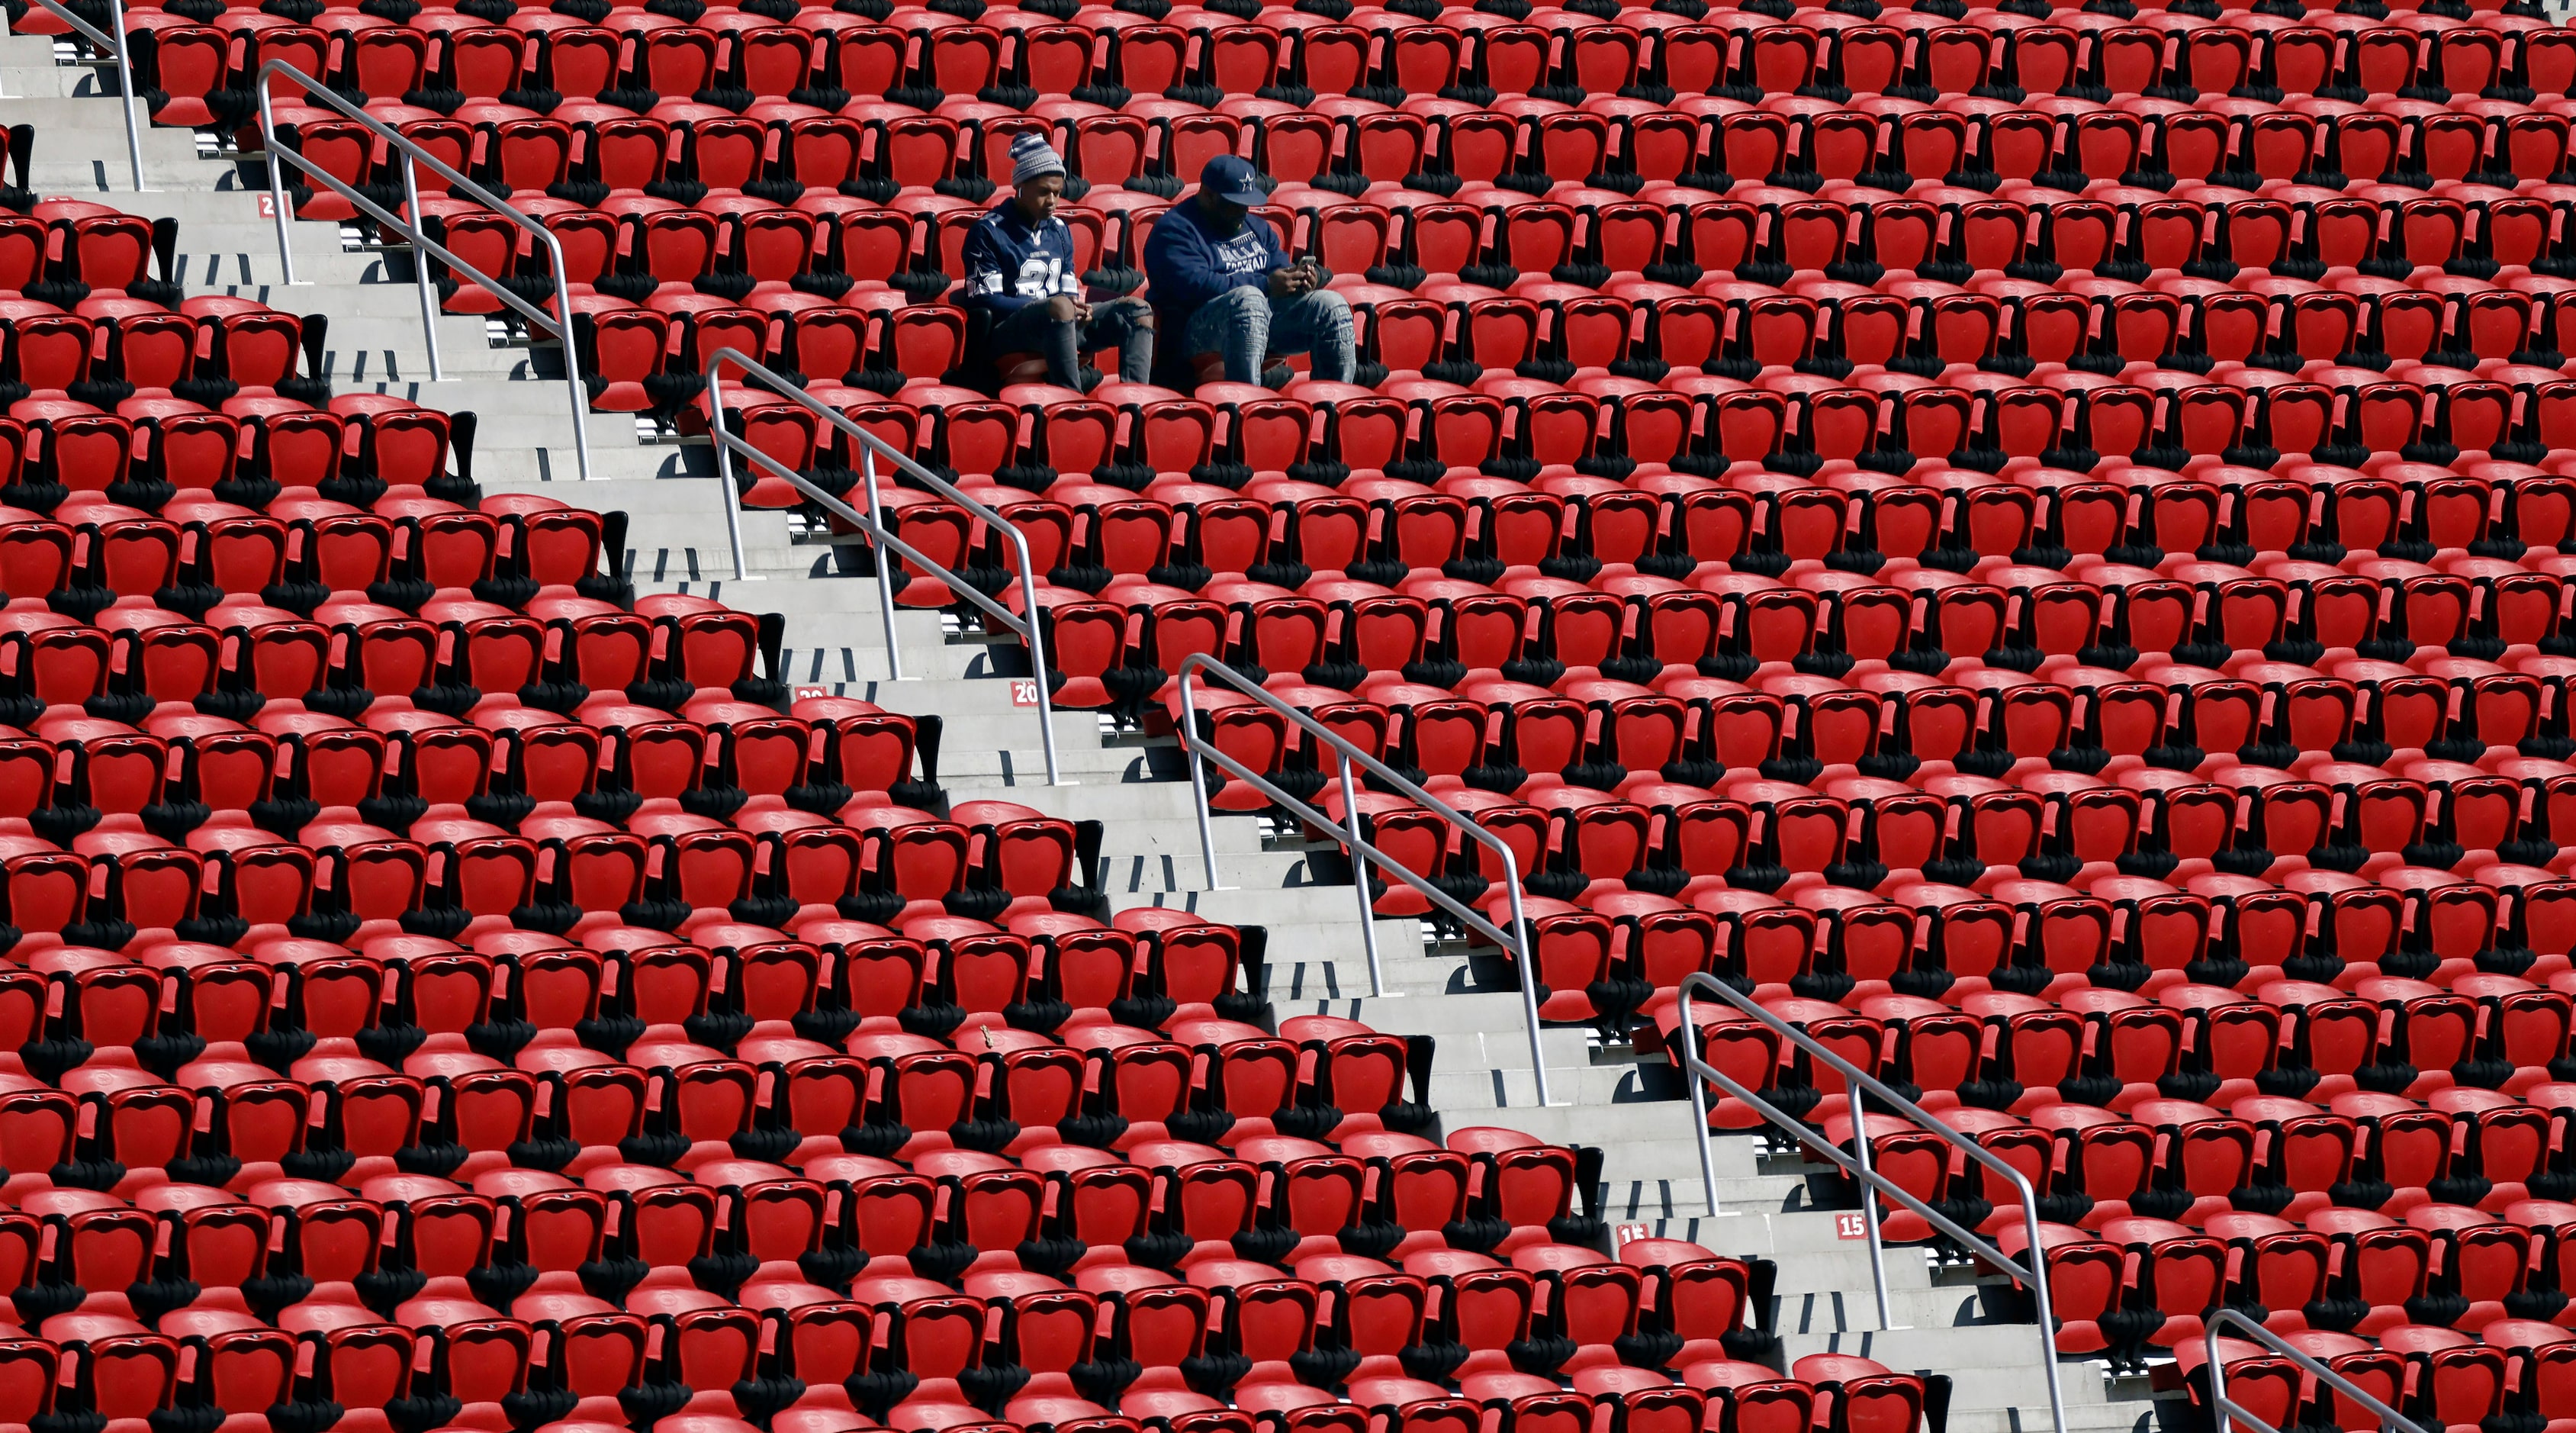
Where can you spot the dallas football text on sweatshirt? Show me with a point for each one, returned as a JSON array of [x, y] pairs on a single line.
[[1187, 264]]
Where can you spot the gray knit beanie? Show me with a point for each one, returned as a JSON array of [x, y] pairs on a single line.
[[1033, 158]]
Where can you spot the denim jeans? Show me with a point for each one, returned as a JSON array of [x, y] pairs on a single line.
[[1113, 324], [1245, 323]]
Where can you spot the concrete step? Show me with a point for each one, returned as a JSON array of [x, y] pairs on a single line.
[[831, 612], [707, 570], [29, 78], [104, 174], [644, 497], [1296, 991], [1178, 876], [846, 670], [537, 429], [1821, 1311], [1505, 1049], [1018, 772], [1462, 1013], [1503, 1077], [2124, 1416], [63, 119], [829, 601], [235, 254], [1655, 1183], [549, 463], [1459, 1020]]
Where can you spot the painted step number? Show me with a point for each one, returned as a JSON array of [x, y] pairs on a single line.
[[1024, 691], [1850, 1225]]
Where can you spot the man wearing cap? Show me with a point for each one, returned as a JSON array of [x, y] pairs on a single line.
[[1019, 268], [1220, 281]]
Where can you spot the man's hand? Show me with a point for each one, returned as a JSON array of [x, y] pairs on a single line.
[[1068, 308], [1297, 279]]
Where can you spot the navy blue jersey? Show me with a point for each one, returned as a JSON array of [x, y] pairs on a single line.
[[1010, 264]]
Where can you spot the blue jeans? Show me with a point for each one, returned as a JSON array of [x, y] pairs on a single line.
[[1113, 324], [1245, 323]]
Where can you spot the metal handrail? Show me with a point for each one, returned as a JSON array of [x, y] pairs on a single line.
[[1347, 831], [1857, 1083], [873, 524], [114, 45], [2224, 1409], [558, 324]]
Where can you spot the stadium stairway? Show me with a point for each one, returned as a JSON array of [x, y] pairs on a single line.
[[1949, 1319]]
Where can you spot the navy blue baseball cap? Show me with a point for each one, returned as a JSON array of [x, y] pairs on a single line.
[[1230, 179]]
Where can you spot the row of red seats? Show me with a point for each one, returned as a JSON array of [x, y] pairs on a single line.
[[973, 1180], [1640, 638], [1024, 1347], [1356, 167], [732, 60], [835, 981], [728, 205], [242, 799], [2488, 1042], [2128, 885], [943, 1210], [440, 651], [1957, 926], [658, 289]]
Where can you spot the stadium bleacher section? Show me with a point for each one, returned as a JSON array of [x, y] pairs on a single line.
[[2032, 541]]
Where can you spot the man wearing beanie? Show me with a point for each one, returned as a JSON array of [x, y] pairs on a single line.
[[1019, 268]]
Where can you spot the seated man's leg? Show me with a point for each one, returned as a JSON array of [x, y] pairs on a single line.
[[1236, 324], [1127, 325], [1044, 327], [1318, 322]]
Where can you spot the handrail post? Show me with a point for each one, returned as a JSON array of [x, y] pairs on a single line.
[[2041, 1303], [1034, 638], [419, 268], [1198, 774], [578, 391], [1692, 1059], [724, 471], [127, 99], [278, 204], [1529, 973], [112, 40], [1869, 1205], [2219, 1421], [884, 563], [1360, 883]]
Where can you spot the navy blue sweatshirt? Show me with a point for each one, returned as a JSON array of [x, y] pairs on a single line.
[[1187, 265], [1010, 265]]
